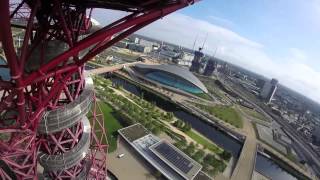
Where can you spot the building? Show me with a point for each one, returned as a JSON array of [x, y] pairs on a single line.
[[316, 136], [224, 68], [122, 44], [185, 59], [187, 56], [210, 67], [182, 62], [163, 156], [171, 77], [168, 54], [139, 48], [147, 43], [196, 62], [260, 83], [268, 90]]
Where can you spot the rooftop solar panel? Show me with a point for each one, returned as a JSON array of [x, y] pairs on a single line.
[[178, 160]]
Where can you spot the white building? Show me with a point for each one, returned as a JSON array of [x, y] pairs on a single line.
[[139, 48]]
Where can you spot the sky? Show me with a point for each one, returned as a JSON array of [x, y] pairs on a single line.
[[275, 38]]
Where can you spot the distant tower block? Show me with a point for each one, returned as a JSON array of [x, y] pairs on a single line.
[[196, 62], [210, 67], [268, 90]]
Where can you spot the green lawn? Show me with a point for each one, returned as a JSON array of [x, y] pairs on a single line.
[[199, 139], [254, 114], [203, 96], [225, 113], [111, 124]]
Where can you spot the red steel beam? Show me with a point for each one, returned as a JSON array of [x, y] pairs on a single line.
[[101, 35]]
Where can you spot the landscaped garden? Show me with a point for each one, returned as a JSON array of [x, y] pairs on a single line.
[[132, 109]]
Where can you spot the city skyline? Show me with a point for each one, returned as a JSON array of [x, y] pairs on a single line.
[[281, 51]]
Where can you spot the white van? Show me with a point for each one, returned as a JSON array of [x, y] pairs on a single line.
[[120, 155]]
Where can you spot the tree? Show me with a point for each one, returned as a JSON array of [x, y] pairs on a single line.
[[190, 149], [186, 127], [198, 155], [157, 174], [169, 116], [225, 155], [156, 130]]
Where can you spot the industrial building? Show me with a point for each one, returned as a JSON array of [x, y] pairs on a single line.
[[268, 90], [171, 77], [163, 156]]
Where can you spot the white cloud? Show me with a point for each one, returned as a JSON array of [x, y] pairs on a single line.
[[292, 70], [221, 21]]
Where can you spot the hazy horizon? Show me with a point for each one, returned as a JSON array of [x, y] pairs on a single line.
[[269, 38]]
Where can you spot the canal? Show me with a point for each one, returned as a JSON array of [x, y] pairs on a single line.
[[266, 166]]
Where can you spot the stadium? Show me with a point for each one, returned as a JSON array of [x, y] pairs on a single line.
[[170, 77]]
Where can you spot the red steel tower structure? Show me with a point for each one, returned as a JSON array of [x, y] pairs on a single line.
[[48, 112]]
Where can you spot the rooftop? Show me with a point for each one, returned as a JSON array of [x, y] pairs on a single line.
[[163, 156], [178, 160], [176, 71], [133, 132]]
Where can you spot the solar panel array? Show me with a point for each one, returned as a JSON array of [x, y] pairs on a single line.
[[174, 157]]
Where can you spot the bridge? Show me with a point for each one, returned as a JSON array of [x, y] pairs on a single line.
[[110, 68]]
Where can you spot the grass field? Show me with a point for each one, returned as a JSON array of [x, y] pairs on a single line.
[[111, 124], [254, 114], [225, 113], [203, 96], [199, 139]]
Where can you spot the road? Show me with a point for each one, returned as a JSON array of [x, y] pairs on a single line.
[[311, 156], [246, 163]]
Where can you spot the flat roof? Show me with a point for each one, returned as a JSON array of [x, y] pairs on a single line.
[[165, 157], [178, 160], [202, 176], [133, 132]]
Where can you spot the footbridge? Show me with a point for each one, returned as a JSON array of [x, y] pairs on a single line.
[[107, 69]]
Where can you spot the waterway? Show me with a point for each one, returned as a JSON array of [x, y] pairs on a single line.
[[264, 165], [271, 169]]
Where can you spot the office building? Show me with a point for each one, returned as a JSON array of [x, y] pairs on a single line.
[[268, 90]]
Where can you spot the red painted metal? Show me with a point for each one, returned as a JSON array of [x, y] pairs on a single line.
[[39, 83]]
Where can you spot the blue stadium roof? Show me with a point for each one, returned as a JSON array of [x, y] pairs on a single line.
[[178, 71]]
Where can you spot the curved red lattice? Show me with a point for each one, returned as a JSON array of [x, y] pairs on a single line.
[[45, 45]]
